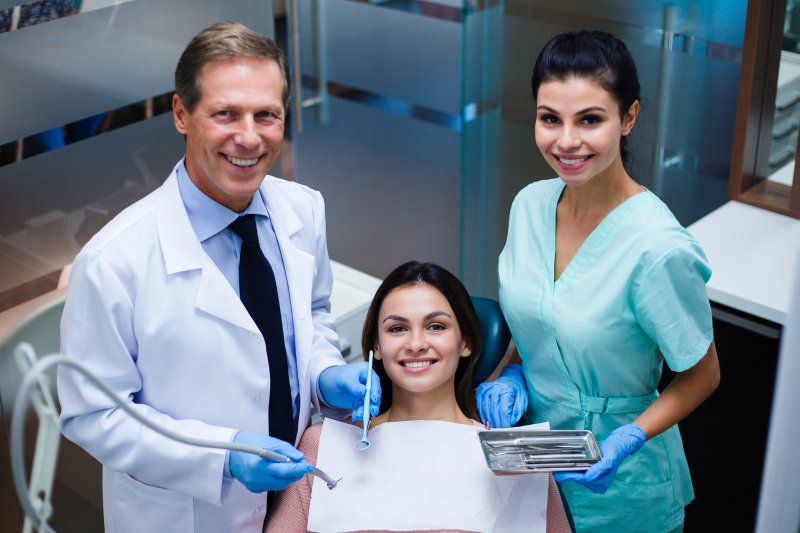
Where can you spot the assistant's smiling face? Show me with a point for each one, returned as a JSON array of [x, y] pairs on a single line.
[[579, 127]]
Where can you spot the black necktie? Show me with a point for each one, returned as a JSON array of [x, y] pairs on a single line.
[[260, 297]]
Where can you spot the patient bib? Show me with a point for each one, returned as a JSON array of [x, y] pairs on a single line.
[[419, 475]]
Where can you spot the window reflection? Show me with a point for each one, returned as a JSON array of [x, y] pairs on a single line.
[[79, 130], [786, 120], [34, 13], [41, 11]]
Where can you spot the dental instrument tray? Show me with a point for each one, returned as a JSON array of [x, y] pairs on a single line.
[[529, 451]]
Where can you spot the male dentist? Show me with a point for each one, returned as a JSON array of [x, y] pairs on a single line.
[[206, 305]]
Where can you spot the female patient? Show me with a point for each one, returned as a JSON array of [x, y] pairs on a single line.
[[426, 341]]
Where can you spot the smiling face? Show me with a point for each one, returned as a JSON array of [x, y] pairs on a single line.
[[234, 133], [419, 341], [578, 129]]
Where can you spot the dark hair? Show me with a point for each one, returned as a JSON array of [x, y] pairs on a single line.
[[416, 273], [596, 55], [219, 42]]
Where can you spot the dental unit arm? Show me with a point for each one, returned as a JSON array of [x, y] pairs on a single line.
[[35, 499]]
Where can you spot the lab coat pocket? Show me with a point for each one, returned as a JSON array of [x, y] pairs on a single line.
[[144, 508]]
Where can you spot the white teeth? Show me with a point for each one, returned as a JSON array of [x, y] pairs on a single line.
[[416, 364], [573, 161], [242, 162]]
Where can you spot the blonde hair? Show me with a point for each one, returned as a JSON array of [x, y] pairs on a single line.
[[218, 42]]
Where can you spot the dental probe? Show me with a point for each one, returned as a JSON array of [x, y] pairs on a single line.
[[363, 444]]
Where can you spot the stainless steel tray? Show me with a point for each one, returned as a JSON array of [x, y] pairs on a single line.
[[526, 451]]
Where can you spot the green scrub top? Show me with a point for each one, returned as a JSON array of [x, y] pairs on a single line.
[[593, 342]]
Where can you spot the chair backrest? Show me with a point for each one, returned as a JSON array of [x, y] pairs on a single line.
[[78, 476], [41, 328], [495, 337]]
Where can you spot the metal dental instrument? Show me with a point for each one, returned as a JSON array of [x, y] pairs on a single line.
[[275, 457], [363, 444]]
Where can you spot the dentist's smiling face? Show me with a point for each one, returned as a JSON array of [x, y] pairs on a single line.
[[579, 127], [234, 133], [419, 341]]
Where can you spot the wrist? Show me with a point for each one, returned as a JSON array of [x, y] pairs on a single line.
[[323, 385], [513, 371], [633, 434]]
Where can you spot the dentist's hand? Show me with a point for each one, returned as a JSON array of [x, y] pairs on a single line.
[[344, 386], [502, 402], [258, 474], [620, 443]]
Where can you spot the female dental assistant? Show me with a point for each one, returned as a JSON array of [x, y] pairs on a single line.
[[600, 285]]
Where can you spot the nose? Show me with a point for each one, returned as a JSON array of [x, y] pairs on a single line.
[[247, 133], [569, 139], [417, 342]]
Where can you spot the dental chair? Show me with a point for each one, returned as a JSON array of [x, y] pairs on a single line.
[[496, 337], [77, 476]]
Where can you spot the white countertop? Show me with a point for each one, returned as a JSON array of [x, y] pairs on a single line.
[[754, 255]]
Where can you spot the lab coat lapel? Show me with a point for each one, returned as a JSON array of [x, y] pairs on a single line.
[[183, 252], [299, 266]]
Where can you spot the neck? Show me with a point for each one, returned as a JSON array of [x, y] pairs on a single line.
[[429, 405], [601, 194]]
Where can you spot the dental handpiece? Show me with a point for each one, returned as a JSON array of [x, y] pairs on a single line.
[[275, 457]]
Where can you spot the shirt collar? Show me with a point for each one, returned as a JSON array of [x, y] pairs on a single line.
[[207, 216]]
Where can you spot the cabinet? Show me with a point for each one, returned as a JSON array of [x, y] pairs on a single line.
[[725, 438], [754, 255]]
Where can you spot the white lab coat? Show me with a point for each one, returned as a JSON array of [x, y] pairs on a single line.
[[156, 320]]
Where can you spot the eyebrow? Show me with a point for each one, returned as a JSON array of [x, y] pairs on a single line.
[[592, 109], [429, 316]]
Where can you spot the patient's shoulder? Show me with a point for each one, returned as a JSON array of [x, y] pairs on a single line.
[[309, 442]]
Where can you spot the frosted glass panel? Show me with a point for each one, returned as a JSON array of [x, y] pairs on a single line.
[[389, 52], [719, 21], [78, 66], [70, 69], [390, 185], [469, 64], [54, 202], [682, 140]]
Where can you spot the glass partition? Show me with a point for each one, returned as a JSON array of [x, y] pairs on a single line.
[[400, 97], [410, 112], [419, 115], [83, 134]]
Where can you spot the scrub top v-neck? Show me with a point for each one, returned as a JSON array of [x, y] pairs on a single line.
[[594, 341]]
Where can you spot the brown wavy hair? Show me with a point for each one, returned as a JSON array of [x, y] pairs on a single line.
[[416, 273]]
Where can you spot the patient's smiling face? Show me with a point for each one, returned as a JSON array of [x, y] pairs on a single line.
[[419, 340]]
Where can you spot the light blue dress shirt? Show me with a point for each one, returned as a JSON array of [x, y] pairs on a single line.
[[210, 222]]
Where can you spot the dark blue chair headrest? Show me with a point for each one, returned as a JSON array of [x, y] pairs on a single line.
[[495, 337]]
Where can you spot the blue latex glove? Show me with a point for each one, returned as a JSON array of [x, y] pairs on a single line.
[[502, 402], [344, 386], [620, 443], [260, 475]]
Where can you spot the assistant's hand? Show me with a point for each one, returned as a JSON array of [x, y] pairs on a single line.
[[259, 474], [622, 442], [344, 386], [502, 402]]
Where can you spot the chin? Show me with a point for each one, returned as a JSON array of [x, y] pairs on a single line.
[[574, 181]]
